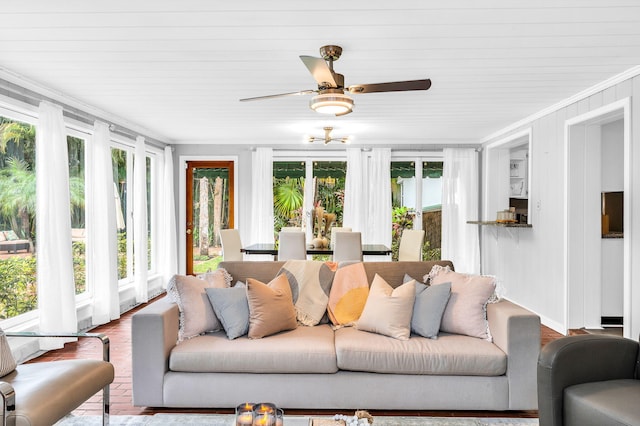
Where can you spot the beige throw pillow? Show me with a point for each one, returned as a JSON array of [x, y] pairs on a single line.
[[196, 312], [271, 307], [388, 311], [466, 311]]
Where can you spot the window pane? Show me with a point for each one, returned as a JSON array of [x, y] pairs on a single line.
[[403, 200], [75, 147], [119, 161], [149, 219], [288, 194], [18, 291], [329, 178], [432, 208]]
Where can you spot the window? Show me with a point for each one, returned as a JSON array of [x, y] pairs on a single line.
[[288, 194], [122, 158], [18, 287], [76, 152], [416, 194]]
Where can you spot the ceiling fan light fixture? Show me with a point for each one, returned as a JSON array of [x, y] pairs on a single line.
[[332, 103]]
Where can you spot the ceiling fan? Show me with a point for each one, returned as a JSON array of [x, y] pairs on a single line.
[[331, 97]]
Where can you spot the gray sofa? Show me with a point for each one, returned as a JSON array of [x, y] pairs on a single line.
[[319, 368], [589, 380]]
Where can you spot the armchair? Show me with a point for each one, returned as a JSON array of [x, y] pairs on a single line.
[[42, 393], [589, 380]]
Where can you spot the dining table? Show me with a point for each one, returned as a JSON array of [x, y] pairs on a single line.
[[270, 248]]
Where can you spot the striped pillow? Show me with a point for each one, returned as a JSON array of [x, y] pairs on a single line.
[[7, 361]]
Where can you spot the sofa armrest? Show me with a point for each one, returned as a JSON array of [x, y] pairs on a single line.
[[154, 332], [580, 359], [516, 331]]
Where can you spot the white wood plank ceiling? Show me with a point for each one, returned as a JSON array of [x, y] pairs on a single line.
[[178, 68]]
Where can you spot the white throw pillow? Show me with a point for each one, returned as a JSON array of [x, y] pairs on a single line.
[[466, 311], [388, 311], [196, 312]]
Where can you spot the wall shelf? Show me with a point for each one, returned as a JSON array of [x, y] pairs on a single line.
[[501, 224]]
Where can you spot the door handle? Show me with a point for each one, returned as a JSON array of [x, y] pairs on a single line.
[[188, 231]]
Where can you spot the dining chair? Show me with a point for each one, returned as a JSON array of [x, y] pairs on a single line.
[[231, 245], [292, 245], [333, 233], [290, 229], [348, 246], [411, 245]]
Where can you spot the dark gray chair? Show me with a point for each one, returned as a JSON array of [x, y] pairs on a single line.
[[589, 380]]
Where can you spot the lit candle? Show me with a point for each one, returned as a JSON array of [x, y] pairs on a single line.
[[244, 414], [244, 419], [265, 419]]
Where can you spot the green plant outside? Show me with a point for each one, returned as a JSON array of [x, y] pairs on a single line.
[[208, 265], [402, 218], [18, 292]]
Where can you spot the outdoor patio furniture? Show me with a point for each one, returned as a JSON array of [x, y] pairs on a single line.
[[10, 242]]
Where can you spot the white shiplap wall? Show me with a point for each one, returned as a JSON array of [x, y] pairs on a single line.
[[531, 264]]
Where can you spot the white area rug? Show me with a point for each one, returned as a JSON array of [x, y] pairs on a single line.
[[227, 420]]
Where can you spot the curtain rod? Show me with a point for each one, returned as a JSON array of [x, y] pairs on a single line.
[[33, 98]]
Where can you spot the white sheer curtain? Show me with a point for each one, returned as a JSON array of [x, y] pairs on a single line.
[[379, 205], [355, 193], [140, 235], [101, 238], [460, 242], [262, 196], [56, 287], [168, 261]]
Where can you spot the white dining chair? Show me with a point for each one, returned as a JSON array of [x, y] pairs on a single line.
[[348, 246], [411, 245], [231, 244], [290, 229], [292, 245], [333, 233]]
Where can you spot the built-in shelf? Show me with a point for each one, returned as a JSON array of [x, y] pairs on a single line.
[[613, 235], [501, 224]]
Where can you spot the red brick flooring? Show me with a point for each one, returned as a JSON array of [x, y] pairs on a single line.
[[119, 333]]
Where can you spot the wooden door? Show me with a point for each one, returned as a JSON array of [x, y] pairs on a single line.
[[210, 200]]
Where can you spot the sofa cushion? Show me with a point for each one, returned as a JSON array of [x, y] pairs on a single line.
[[196, 312], [466, 311], [388, 310], [232, 309], [612, 402], [303, 350], [428, 308], [271, 307], [448, 355]]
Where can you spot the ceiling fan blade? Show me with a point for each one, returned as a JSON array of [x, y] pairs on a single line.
[[320, 71], [279, 95], [396, 86]]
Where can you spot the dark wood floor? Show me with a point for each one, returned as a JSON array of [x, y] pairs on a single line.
[[119, 333]]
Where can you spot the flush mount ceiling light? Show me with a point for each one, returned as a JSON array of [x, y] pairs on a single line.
[[327, 137], [332, 101]]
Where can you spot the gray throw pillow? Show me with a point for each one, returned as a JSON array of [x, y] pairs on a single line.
[[428, 309], [232, 309]]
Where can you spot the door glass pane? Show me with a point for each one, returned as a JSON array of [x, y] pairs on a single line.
[[432, 208], [75, 148], [211, 213], [18, 291]]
